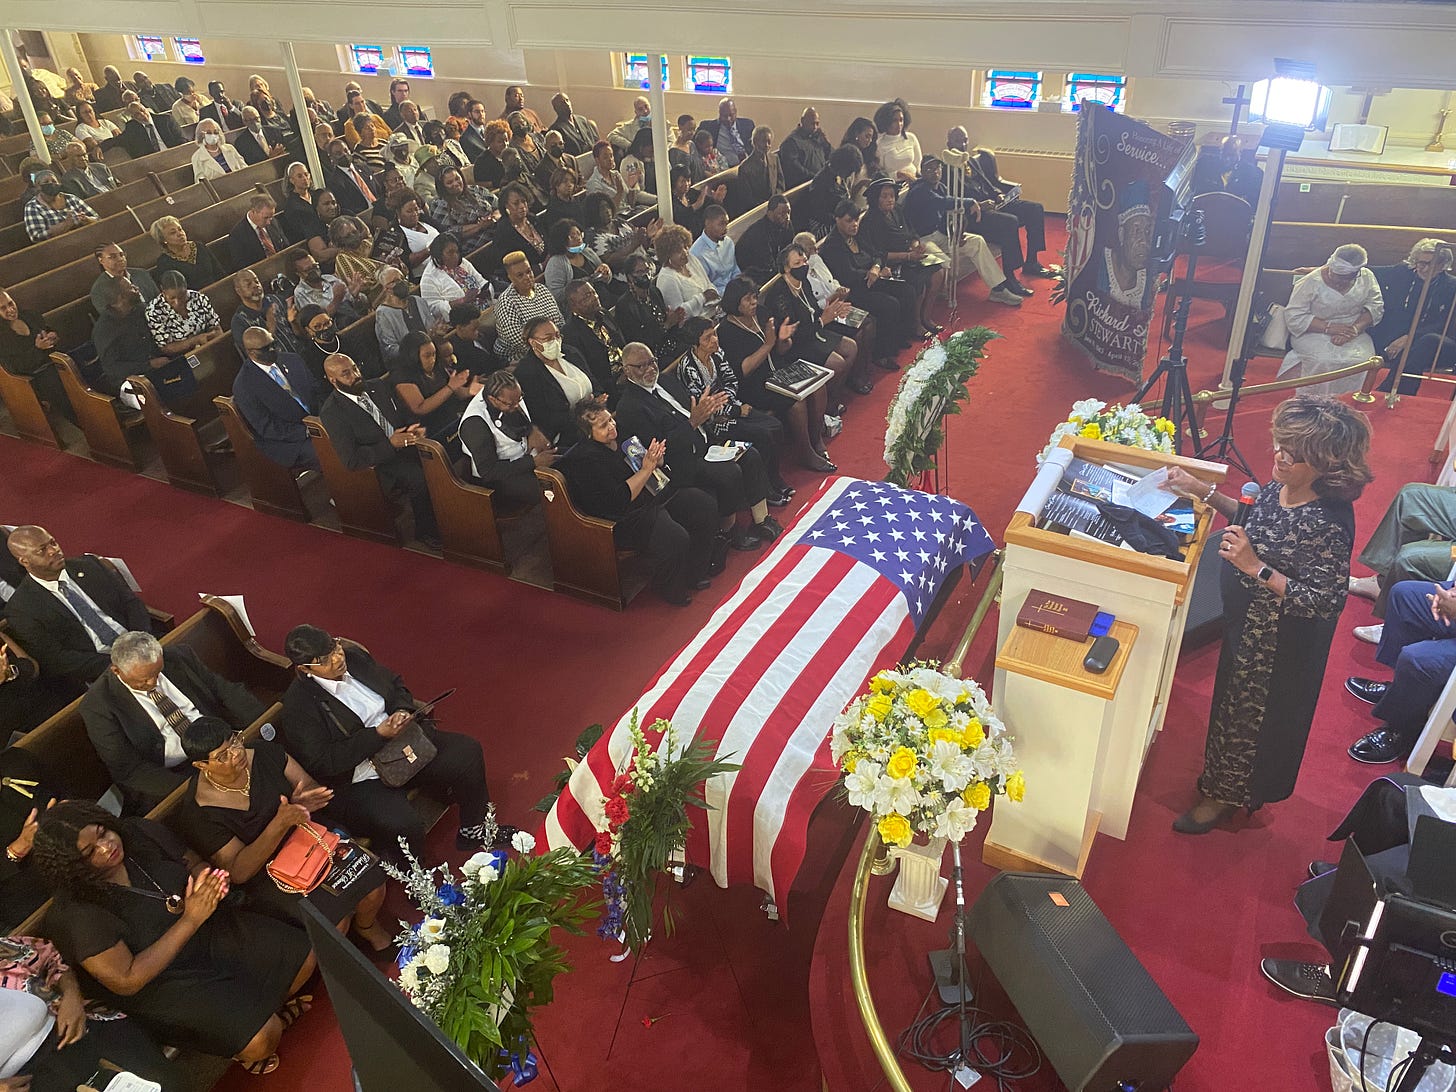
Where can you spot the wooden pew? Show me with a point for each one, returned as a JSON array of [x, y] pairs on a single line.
[[26, 412], [130, 170], [251, 177], [84, 240], [585, 560], [1336, 202], [13, 236], [739, 224], [1293, 245], [467, 514], [183, 454], [273, 488], [363, 509], [108, 425]]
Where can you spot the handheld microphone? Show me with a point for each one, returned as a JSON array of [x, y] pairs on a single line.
[[1247, 496]]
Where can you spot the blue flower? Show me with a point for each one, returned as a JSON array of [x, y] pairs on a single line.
[[406, 954], [451, 895]]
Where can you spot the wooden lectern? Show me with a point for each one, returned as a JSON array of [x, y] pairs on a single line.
[[1085, 736]]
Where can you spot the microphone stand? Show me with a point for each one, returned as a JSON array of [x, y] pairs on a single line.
[[960, 950]]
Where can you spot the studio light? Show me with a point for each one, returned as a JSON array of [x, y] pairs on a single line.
[[1291, 97]]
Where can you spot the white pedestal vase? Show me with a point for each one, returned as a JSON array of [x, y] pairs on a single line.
[[919, 887]]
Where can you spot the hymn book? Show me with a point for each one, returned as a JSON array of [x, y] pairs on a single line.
[[1057, 615]]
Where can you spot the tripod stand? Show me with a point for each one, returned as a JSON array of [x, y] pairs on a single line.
[[1428, 1053], [1173, 368], [1224, 449]]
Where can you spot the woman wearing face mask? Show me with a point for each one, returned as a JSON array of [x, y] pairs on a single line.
[[448, 277], [524, 143], [570, 260], [435, 396], [551, 382], [644, 315], [196, 263], [467, 211], [400, 311], [214, 157], [320, 338]]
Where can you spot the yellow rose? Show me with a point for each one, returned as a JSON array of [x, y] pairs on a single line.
[[1092, 431], [1016, 786], [1162, 424], [879, 706], [936, 718], [977, 796], [895, 829], [850, 760], [944, 735], [921, 702], [882, 684], [974, 735], [902, 763]]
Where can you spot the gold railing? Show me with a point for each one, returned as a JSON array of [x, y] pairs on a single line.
[[859, 892]]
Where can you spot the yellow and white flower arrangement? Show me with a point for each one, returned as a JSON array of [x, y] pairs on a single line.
[[1128, 425], [924, 753]]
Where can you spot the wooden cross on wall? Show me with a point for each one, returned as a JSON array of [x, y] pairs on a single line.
[[1370, 93], [1238, 101]]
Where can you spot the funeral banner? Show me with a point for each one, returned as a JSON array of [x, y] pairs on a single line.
[[1111, 268]]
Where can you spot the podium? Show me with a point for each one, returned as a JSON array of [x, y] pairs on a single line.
[[1084, 737]]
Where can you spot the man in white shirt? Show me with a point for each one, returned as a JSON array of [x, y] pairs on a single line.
[[137, 713], [715, 249]]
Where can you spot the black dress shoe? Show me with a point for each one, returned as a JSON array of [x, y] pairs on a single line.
[[1367, 690], [1039, 270], [888, 364], [779, 499], [768, 530], [1379, 747], [1020, 289], [1310, 981], [744, 539], [718, 554], [1319, 868], [860, 386]]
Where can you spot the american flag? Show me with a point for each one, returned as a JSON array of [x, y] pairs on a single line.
[[838, 598]]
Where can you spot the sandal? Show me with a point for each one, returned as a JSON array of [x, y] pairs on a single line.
[[294, 1008], [262, 1068]]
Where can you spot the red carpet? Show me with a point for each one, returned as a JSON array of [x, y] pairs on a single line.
[[733, 991]]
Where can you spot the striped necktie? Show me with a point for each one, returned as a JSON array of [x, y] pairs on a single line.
[[282, 380], [175, 718], [373, 411], [104, 628]]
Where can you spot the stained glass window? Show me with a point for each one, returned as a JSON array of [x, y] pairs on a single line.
[[634, 71], [417, 60], [1108, 90], [150, 47], [710, 75], [190, 50], [367, 59], [1012, 90]]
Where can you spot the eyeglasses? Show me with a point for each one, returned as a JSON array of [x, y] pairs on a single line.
[[1285, 456], [332, 654], [233, 746]]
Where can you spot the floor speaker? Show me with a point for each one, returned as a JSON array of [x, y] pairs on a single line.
[[1097, 1014]]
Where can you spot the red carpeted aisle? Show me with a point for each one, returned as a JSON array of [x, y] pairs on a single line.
[[733, 991]]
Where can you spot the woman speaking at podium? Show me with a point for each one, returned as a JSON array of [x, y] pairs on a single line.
[[1284, 583]]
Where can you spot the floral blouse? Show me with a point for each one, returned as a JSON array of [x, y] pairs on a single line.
[[31, 965], [167, 326]]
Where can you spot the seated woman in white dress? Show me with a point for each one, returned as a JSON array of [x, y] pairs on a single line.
[[1329, 313], [681, 278]]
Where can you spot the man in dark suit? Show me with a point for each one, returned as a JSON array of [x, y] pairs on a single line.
[[364, 427], [274, 392], [760, 246], [732, 135], [221, 109], [472, 140], [82, 177], [340, 711], [579, 134], [671, 525], [350, 180], [656, 406], [108, 96], [145, 132], [593, 337], [66, 613], [258, 234], [255, 143], [137, 713]]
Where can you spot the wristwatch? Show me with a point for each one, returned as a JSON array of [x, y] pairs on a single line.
[[1264, 574]]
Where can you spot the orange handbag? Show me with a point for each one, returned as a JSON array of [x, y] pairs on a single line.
[[305, 858]]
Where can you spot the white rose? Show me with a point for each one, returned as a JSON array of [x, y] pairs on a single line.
[[432, 929], [476, 863], [522, 842], [437, 958], [487, 874]]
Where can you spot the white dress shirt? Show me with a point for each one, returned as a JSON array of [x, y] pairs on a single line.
[[366, 705], [54, 587], [172, 753]]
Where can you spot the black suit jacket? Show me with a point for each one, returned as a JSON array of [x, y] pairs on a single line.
[[227, 114], [550, 411], [744, 126], [107, 97], [351, 198], [127, 739], [54, 636], [586, 347], [596, 477], [324, 735], [272, 413], [244, 247], [472, 143], [249, 148], [361, 444], [138, 143], [646, 416]]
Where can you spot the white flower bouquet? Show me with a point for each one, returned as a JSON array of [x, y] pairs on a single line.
[[1128, 425], [924, 753]]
